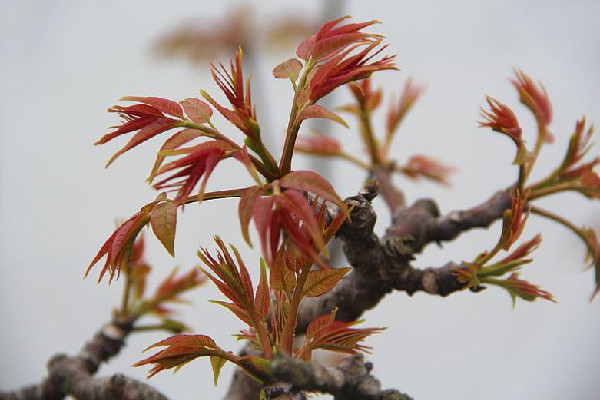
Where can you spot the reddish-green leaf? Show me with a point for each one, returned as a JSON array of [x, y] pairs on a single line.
[[312, 182], [163, 219], [263, 294], [282, 277], [288, 69], [242, 156], [174, 142], [167, 106], [180, 350], [327, 333], [517, 287], [319, 144], [245, 208], [119, 246], [330, 40], [198, 111], [317, 111], [236, 310], [198, 162], [172, 286], [294, 202], [322, 281], [150, 130]]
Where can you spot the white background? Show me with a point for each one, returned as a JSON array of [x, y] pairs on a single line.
[[62, 63]]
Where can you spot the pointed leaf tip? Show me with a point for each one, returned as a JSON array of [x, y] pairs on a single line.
[[288, 69], [163, 219], [317, 111]]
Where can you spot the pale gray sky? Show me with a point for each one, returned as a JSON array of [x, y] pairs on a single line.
[[62, 63]]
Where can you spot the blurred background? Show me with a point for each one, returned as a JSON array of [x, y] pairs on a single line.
[[63, 62]]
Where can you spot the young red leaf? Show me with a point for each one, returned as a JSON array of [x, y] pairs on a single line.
[[242, 156], [523, 250], [513, 220], [420, 166], [327, 333], [329, 40], [172, 286], [236, 310], [282, 277], [180, 350], [534, 97], [166, 106], [231, 279], [231, 83], [322, 281], [118, 247], [197, 110], [317, 111], [147, 132], [294, 202], [198, 162], [243, 271], [135, 117], [174, 142], [340, 70], [319, 145], [312, 182], [163, 219], [517, 287], [398, 109], [263, 294], [268, 232], [289, 69], [246, 207]]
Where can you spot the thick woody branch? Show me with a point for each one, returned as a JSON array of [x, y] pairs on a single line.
[[423, 222], [74, 375], [350, 380], [382, 265]]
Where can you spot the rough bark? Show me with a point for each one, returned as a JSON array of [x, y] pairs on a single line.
[[74, 375], [382, 265], [350, 380]]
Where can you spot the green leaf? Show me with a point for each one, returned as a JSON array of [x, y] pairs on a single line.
[[217, 363], [163, 219]]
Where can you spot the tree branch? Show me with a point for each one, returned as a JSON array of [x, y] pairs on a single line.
[[74, 375], [350, 380], [423, 222]]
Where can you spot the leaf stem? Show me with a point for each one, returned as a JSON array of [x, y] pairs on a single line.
[[285, 164], [215, 134], [287, 340], [564, 222], [368, 135], [218, 194], [126, 289]]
